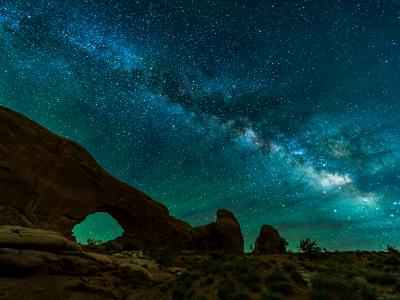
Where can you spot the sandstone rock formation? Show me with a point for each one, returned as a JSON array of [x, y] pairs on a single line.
[[22, 238], [40, 254], [269, 241], [224, 234], [51, 183]]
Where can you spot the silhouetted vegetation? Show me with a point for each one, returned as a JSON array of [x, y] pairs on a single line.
[[228, 291], [310, 248], [332, 287], [381, 278], [392, 250], [336, 275]]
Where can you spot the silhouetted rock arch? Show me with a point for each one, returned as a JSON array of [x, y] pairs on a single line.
[[51, 183]]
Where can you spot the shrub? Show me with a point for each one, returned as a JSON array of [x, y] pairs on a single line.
[[288, 267], [281, 287], [283, 245], [93, 245], [245, 271], [178, 293], [218, 255], [239, 295], [226, 290], [201, 297], [310, 247], [397, 287], [270, 296], [392, 261], [276, 275], [163, 258], [387, 279], [390, 269], [187, 282], [248, 278], [296, 276], [209, 280], [321, 295], [331, 287], [392, 249], [381, 278], [265, 265]]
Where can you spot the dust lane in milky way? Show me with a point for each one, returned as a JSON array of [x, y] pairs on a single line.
[[285, 112]]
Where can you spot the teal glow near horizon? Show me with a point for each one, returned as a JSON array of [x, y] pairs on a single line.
[[100, 226]]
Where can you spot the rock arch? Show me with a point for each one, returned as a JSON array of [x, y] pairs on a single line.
[[52, 183], [99, 227]]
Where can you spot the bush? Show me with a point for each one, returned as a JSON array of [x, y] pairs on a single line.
[[296, 276], [201, 297], [178, 293], [397, 287], [330, 287], [309, 247], [392, 249], [392, 261], [270, 296], [288, 267], [381, 278], [281, 287], [277, 283], [250, 280], [227, 291], [209, 280], [187, 282], [219, 255], [322, 295], [93, 245], [275, 276], [163, 258]]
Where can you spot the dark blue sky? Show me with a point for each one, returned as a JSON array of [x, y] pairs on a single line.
[[285, 112]]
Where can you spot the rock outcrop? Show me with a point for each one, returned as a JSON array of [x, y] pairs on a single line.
[[270, 241], [22, 238], [223, 234], [51, 183], [40, 254]]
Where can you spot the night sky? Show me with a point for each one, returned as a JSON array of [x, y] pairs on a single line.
[[285, 112]]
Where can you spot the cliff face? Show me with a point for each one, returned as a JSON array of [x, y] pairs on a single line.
[[51, 183]]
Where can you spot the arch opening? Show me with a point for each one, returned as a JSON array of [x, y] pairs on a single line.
[[99, 227]]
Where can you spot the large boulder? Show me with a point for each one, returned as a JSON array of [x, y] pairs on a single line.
[[28, 238], [27, 251], [223, 234], [51, 183], [270, 241]]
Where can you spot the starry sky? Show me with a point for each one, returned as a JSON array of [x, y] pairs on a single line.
[[285, 112]]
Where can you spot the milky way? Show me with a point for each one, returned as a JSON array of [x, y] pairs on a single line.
[[285, 112]]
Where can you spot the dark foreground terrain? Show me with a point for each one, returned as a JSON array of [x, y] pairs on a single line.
[[54, 270]]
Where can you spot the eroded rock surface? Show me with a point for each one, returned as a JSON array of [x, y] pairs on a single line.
[[39, 254], [270, 241], [224, 234], [22, 237], [51, 183]]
